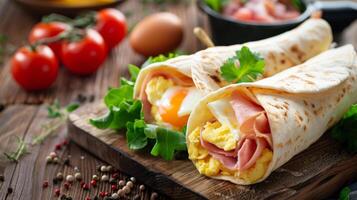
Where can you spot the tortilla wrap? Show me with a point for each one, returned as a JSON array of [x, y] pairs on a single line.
[[202, 69], [301, 103]]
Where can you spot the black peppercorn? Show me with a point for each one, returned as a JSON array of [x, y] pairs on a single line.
[[66, 161], [69, 198], [55, 181], [9, 190], [2, 178], [63, 197]]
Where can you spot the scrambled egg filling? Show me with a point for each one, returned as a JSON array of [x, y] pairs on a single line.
[[155, 89], [219, 135], [209, 166]]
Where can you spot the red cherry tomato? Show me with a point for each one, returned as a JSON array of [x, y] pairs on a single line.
[[86, 55], [34, 70], [47, 30], [111, 25]]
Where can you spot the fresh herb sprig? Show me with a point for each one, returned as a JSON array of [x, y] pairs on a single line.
[[298, 5], [345, 194], [345, 131], [216, 5], [124, 112], [21, 149], [59, 117], [251, 66]]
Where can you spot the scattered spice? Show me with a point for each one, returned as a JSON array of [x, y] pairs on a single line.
[[2, 178], [53, 154], [121, 182], [82, 157], [133, 179], [70, 178], [66, 161], [130, 184], [95, 177], [142, 187], [49, 159], [126, 189], [76, 169], [55, 181], [57, 192], [121, 193], [115, 175], [59, 176], [154, 196], [114, 187], [109, 168], [63, 197], [103, 168], [93, 183], [85, 186], [9, 190], [45, 184], [88, 198], [66, 185], [105, 178], [115, 196], [102, 194], [112, 180], [78, 176], [58, 147], [55, 160]]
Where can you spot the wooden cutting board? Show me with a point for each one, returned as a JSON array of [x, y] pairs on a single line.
[[316, 173]]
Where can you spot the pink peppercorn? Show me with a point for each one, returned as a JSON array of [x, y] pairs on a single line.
[[57, 192], [45, 184]]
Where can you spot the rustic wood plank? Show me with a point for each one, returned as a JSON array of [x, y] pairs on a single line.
[[315, 173], [15, 121]]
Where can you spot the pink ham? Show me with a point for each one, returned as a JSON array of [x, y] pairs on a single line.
[[143, 97], [255, 135]]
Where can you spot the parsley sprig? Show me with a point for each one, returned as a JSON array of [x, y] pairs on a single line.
[[125, 112], [251, 66], [345, 131]]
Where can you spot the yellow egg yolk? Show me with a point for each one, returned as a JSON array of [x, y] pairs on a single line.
[[166, 110], [219, 135], [209, 166]]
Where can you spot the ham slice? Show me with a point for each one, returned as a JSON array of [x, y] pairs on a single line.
[[176, 77], [255, 135]]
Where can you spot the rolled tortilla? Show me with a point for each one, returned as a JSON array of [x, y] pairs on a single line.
[[300, 104], [202, 69]]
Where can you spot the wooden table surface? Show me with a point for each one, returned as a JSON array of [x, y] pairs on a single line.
[[23, 113]]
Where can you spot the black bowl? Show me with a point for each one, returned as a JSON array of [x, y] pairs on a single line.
[[227, 31]]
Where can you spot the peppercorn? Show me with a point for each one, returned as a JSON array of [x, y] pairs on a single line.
[[103, 168], [115, 175], [154, 196], [121, 182], [101, 194], [85, 186], [114, 187], [109, 168], [69, 198], [82, 157], [98, 168], [126, 189], [45, 184], [9, 190], [142, 187], [88, 198], [78, 176], [66, 161], [130, 184], [55, 181], [58, 147], [95, 177], [115, 196], [70, 178], [57, 192], [76, 169], [96, 198], [121, 193], [93, 183], [133, 179], [63, 197], [59, 176], [112, 180], [55, 160], [105, 178], [49, 159], [2, 178], [66, 185], [65, 142], [53, 154]]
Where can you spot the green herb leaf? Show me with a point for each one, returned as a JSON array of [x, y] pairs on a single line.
[[127, 111], [345, 131], [167, 142], [251, 66], [104, 121], [134, 72], [72, 107], [161, 58], [116, 95], [54, 110], [216, 5], [298, 5], [135, 135], [345, 194]]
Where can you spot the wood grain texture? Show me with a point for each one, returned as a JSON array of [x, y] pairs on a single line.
[[313, 174]]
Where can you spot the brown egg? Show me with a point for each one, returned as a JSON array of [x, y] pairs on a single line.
[[157, 34]]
